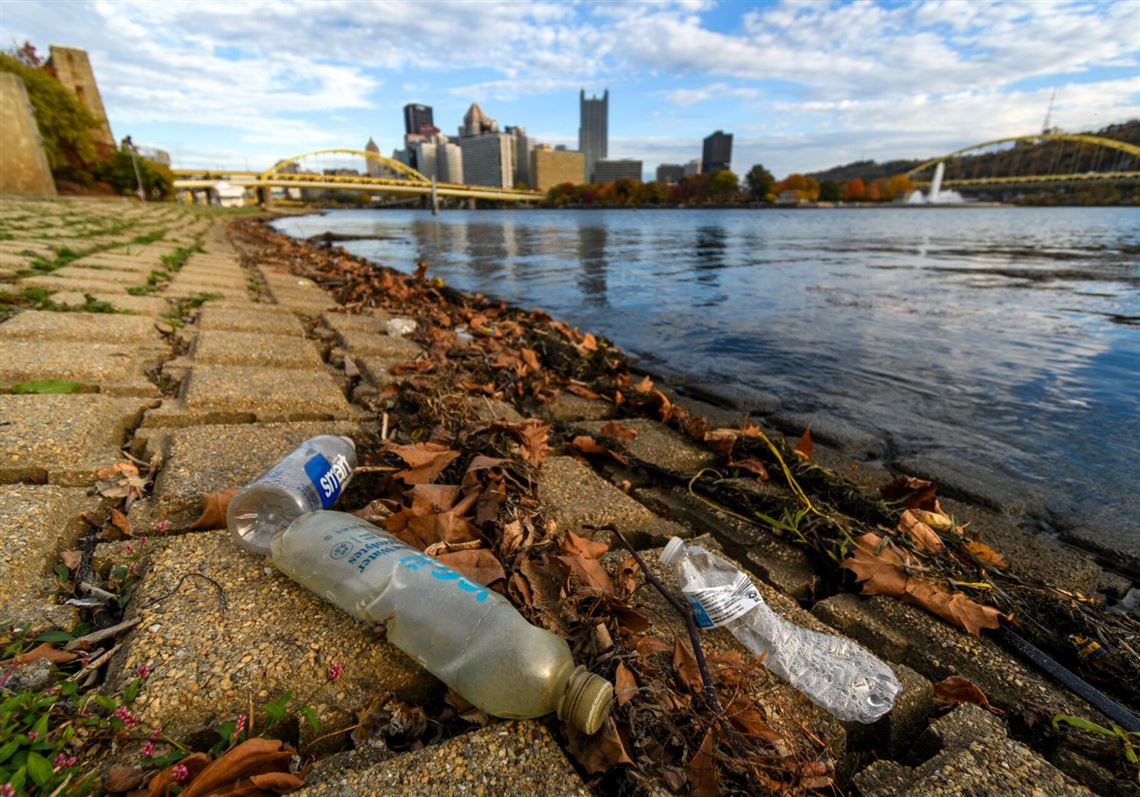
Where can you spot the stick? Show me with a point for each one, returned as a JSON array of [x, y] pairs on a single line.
[[99, 636], [684, 610]]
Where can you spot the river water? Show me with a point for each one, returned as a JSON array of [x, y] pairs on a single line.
[[1000, 345]]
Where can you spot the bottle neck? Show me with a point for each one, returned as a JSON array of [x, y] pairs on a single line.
[[586, 700]]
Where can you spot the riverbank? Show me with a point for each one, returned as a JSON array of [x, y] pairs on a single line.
[[238, 353]]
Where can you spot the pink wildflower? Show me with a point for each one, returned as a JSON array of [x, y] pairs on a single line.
[[147, 750], [6, 790], [32, 736], [335, 671], [63, 760], [126, 717], [239, 726], [130, 548], [143, 671], [180, 773], [157, 732], [161, 527]]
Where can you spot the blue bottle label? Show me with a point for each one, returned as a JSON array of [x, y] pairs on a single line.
[[327, 478]]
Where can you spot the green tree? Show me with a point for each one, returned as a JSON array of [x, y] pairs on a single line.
[[760, 182], [64, 125], [119, 173], [724, 185], [830, 191]]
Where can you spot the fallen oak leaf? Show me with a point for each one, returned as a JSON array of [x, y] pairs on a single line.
[[924, 536], [44, 651], [685, 668], [214, 510], [479, 565], [721, 441], [701, 769], [71, 559], [601, 751], [985, 553], [575, 544], [425, 461], [955, 690], [623, 434], [585, 444], [120, 521]]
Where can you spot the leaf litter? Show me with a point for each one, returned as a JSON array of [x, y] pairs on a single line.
[[464, 489]]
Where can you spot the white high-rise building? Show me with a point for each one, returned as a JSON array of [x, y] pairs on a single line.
[[449, 160], [693, 167]]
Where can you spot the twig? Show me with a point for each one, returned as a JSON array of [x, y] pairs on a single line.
[[684, 610], [96, 664], [99, 636], [178, 586]]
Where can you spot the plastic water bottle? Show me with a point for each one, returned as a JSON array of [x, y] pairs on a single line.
[[310, 478], [468, 636], [834, 672]]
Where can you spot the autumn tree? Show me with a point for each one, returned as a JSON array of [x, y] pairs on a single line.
[[854, 190], [806, 188], [760, 182], [724, 185]]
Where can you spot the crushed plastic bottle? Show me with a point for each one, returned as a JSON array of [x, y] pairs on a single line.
[[834, 672], [468, 636], [311, 477]]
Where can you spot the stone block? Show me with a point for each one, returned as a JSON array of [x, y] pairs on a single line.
[[210, 458], [831, 431], [567, 408], [55, 282], [141, 305], [365, 344], [267, 319], [181, 289], [45, 327], [113, 278], [249, 636], [373, 323], [111, 368], [572, 495], [36, 523], [64, 439], [909, 635], [659, 445], [234, 394], [970, 482], [218, 347], [519, 757]]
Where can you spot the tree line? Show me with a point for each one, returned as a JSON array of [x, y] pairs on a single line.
[[725, 187]]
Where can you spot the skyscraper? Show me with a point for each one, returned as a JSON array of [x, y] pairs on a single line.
[[717, 154], [416, 116], [373, 167], [593, 130], [475, 122]]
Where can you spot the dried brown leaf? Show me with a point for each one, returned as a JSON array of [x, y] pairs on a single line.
[[575, 544], [685, 666], [753, 466], [924, 537], [627, 576], [45, 651], [588, 572], [120, 779], [722, 441], [71, 559], [622, 434], [253, 757], [601, 751], [955, 690], [587, 445], [985, 553], [214, 506], [701, 770], [425, 461], [479, 565], [120, 521], [625, 685]]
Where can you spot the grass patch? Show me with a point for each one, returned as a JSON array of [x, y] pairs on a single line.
[[41, 299], [178, 315], [177, 259], [148, 238]]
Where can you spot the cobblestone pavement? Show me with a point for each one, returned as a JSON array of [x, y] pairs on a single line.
[[216, 401]]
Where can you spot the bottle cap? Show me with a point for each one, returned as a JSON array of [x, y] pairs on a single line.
[[586, 701], [671, 551]]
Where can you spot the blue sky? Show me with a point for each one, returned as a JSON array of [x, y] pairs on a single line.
[[803, 84]]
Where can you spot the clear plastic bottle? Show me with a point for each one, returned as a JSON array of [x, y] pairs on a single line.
[[468, 636], [311, 477], [836, 673]]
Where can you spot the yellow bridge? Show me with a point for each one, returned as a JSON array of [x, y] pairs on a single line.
[[383, 176], [1034, 160]]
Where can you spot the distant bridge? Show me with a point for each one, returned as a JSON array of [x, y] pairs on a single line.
[[1047, 158], [388, 176]]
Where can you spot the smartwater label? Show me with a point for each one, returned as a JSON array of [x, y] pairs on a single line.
[[328, 478], [716, 606]]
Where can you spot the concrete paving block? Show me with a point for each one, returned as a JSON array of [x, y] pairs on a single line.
[[182, 289], [210, 458], [366, 344], [211, 655], [113, 368], [266, 319], [305, 302], [44, 327], [568, 407], [141, 305], [124, 279], [373, 323], [218, 347], [64, 439], [519, 757], [658, 445], [571, 495], [126, 263], [235, 394], [55, 282], [36, 523], [909, 635], [279, 280]]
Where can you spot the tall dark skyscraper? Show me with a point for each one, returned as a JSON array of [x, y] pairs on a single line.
[[717, 154], [594, 130], [416, 116]]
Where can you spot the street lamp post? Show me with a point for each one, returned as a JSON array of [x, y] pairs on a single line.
[[135, 161]]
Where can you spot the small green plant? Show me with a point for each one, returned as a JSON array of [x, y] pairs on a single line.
[[177, 259], [141, 290], [148, 238]]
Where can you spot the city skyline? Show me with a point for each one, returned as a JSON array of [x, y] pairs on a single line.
[[802, 86]]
